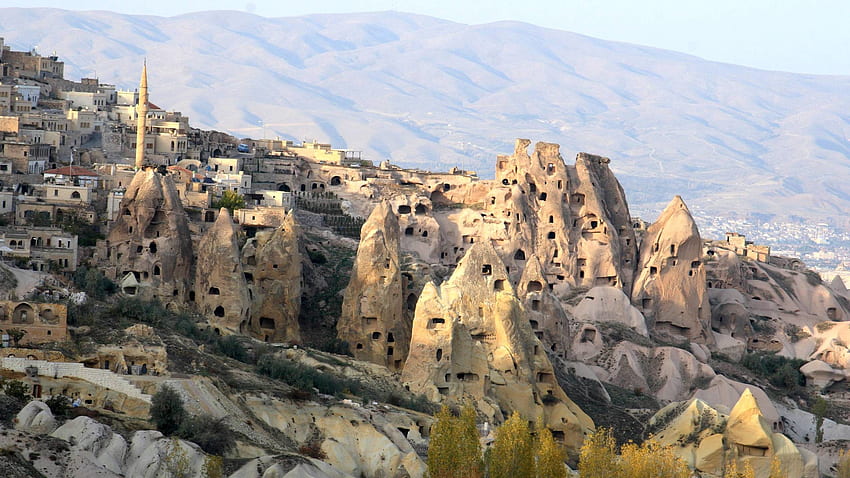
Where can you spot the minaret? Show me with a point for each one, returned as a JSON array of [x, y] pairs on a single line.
[[142, 113]]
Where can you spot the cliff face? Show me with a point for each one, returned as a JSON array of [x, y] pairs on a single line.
[[671, 288], [472, 338], [221, 291], [149, 248], [372, 320], [274, 275]]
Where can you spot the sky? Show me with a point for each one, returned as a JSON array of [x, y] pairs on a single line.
[[808, 36]]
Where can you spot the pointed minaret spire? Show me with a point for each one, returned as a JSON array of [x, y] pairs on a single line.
[[142, 113]]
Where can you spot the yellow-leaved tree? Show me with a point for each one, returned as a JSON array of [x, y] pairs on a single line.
[[512, 453], [598, 456], [651, 460], [454, 450], [776, 469], [732, 470], [843, 470], [549, 455]]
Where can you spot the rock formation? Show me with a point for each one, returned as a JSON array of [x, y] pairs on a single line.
[[273, 270], [149, 249], [221, 291], [472, 339], [544, 311], [575, 219], [372, 321], [708, 441], [671, 288]]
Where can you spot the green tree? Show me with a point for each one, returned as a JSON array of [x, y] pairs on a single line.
[[167, 410], [231, 200], [549, 455], [212, 435], [16, 335], [454, 450], [17, 389], [819, 409], [598, 455], [512, 453]]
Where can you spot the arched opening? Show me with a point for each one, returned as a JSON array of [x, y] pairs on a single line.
[[411, 302], [152, 247], [408, 231], [214, 291], [156, 270], [75, 195], [534, 286], [336, 181], [421, 209], [284, 187], [519, 255], [219, 311]]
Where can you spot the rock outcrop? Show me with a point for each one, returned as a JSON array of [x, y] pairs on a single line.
[[372, 320], [149, 248], [575, 219], [35, 418], [671, 287], [708, 440], [274, 266], [221, 291], [472, 340]]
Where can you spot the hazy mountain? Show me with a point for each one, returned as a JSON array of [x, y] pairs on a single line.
[[432, 93]]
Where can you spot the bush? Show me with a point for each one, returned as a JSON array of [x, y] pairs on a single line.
[[212, 435], [231, 347], [313, 450], [167, 410], [335, 345], [9, 408], [59, 405], [780, 371], [305, 378], [17, 389], [94, 283]]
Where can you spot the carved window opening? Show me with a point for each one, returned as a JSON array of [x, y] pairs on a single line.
[[424, 233], [390, 337], [534, 286], [376, 335], [191, 296], [411, 302], [487, 269], [408, 231], [588, 335], [437, 323], [499, 284], [543, 196], [519, 255], [551, 219], [359, 347], [219, 311], [152, 247], [421, 209], [653, 270], [535, 304], [404, 209], [214, 291], [646, 303], [551, 235], [439, 354], [156, 270], [534, 324], [266, 323]]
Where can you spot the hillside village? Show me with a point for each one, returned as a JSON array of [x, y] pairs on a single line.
[[535, 292]]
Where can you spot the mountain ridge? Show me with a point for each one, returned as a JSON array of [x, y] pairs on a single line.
[[431, 93]]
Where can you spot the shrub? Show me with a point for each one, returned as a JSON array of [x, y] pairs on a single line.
[[212, 435], [167, 410], [313, 450], [9, 408], [233, 348], [59, 405], [780, 371], [17, 389]]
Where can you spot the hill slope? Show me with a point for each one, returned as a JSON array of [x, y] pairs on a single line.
[[431, 93]]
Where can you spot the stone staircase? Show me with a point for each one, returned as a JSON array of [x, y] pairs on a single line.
[[99, 377]]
